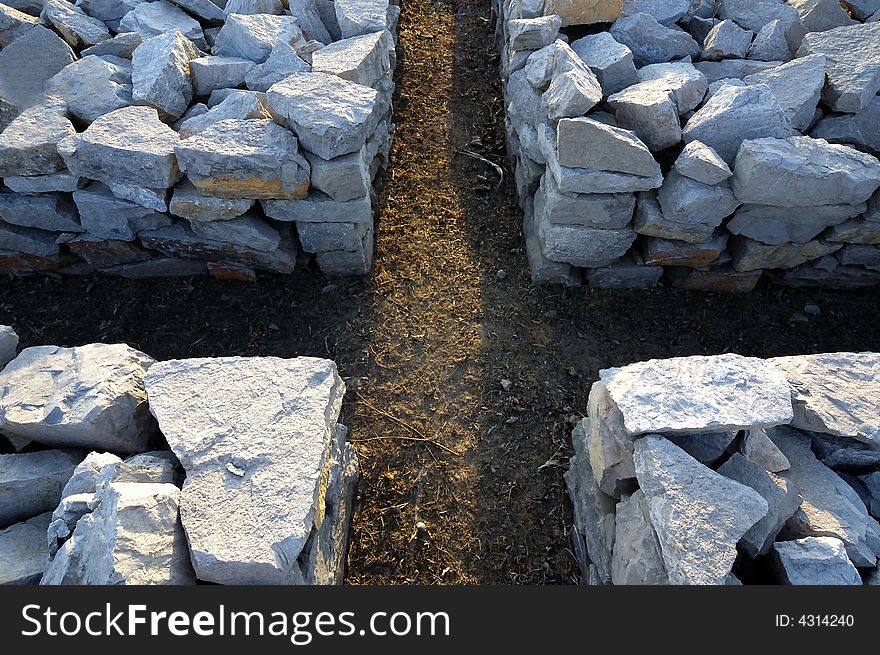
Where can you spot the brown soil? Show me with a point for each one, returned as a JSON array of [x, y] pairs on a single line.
[[426, 340]]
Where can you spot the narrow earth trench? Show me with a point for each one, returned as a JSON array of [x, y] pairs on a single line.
[[464, 380]]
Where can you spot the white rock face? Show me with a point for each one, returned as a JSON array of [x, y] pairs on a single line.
[[814, 561], [8, 345], [23, 556], [31, 483], [835, 393], [89, 396], [698, 515], [255, 436], [690, 395]]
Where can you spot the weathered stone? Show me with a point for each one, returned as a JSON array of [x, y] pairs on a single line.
[[844, 453], [754, 14], [603, 211], [104, 216], [584, 246], [835, 393], [691, 210], [311, 20], [154, 199], [249, 7], [28, 146], [279, 455], [204, 9], [27, 63], [45, 183], [331, 116], [361, 59], [797, 86], [637, 556], [831, 508], [821, 15], [864, 10], [814, 561], [749, 255], [780, 225], [610, 450], [584, 12], [89, 396], [871, 485], [701, 163], [573, 91], [628, 272], [586, 143], [122, 45], [254, 37], [13, 24], [853, 64], [861, 130], [47, 211], [247, 230], [283, 61], [815, 173], [357, 17], [161, 74], [651, 42], [770, 43], [532, 33], [188, 203], [666, 12], [543, 270], [782, 499], [710, 394], [93, 86], [210, 73], [860, 255], [151, 19], [105, 252], [715, 278], [321, 237], [687, 85], [698, 515], [31, 483], [78, 28], [666, 252], [23, 556], [705, 448], [8, 345], [320, 208], [240, 105], [649, 109], [348, 262], [732, 69], [612, 62], [110, 11], [265, 161], [37, 243], [348, 177], [727, 40], [127, 146], [758, 448], [855, 231]]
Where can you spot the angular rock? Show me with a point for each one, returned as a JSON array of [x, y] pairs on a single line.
[[637, 556], [27, 63], [103, 252], [211, 73], [584, 12], [320, 208], [45, 183], [265, 162], [698, 515], [127, 146], [770, 43], [158, 267], [238, 105], [121, 45], [532, 33], [283, 61], [254, 37], [31, 483], [814, 561], [701, 163], [349, 177], [781, 225], [246, 230], [727, 40], [628, 272], [687, 85], [13, 24], [864, 10], [93, 86], [311, 20], [90, 396], [543, 270], [860, 255], [855, 231], [845, 454], [598, 210], [204, 9], [821, 15], [691, 210], [104, 216], [666, 252], [188, 203], [666, 12], [322, 237], [797, 86], [29, 145], [23, 556], [586, 143], [610, 449], [754, 14], [705, 448], [249, 7], [357, 17], [612, 62], [285, 412], [651, 42], [751, 255], [348, 262], [37, 243], [8, 345], [154, 199], [861, 130], [161, 74], [815, 173], [361, 59], [732, 69], [650, 110], [78, 28], [46, 211], [758, 448], [584, 246], [151, 19], [573, 91]]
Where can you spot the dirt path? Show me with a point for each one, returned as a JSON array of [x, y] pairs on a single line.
[[463, 379]]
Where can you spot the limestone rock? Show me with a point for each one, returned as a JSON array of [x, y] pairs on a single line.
[[612, 62], [864, 10], [27, 63], [89, 396], [249, 7], [246, 230], [151, 19], [357, 17], [309, 17], [637, 556], [698, 515], [320, 208], [754, 14], [93, 86], [668, 252], [701, 163], [687, 85], [161, 74], [770, 43], [597, 210], [210, 73], [705, 448], [23, 551], [855, 231], [814, 561], [28, 146], [63, 181], [122, 45], [188, 203], [845, 454], [691, 210], [255, 436], [666, 12], [13, 24], [584, 246], [31, 483], [204, 9], [37, 243], [758, 448], [861, 130], [8, 345], [781, 225], [361, 59], [573, 90], [586, 143], [321, 237], [283, 61], [610, 448], [104, 216], [238, 105], [797, 86], [821, 15], [649, 109], [720, 278], [254, 37], [727, 40], [584, 12], [78, 28], [732, 69], [751, 255], [651, 42], [628, 272], [46, 211]]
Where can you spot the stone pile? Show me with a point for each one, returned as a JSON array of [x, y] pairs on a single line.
[[161, 138], [256, 488], [702, 143], [730, 470]]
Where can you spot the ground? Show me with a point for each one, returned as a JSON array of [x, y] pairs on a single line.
[[464, 380]]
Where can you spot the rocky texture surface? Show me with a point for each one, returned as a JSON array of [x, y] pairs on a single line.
[[661, 497]]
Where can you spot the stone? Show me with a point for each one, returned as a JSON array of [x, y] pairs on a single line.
[[320, 208], [698, 515], [861, 130], [871, 484], [346, 262], [835, 393], [151, 19], [532, 33], [361, 59], [853, 64], [232, 272], [649, 109], [543, 270], [262, 478], [815, 172], [27, 63], [78, 28], [31, 483], [46, 211], [110, 11], [309, 18], [699, 28], [254, 37], [321, 237], [104, 252], [637, 556], [666, 12], [211, 73], [134, 537], [782, 499], [28, 146], [609, 448], [89, 397], [188, 203], [691, 210], [727, 40], [651, 42], [161, 74], [701, 163], [666, 252], [845, 454], [860, 255], [720, 278], [37, 243], [760, 449], [705, 448], [814, 561], [23, 556], [831, 508], [357, 17], [751, 255], [573, 91], [797, 86], [127, 146], [855, 231], [754, 14], [349, 177], [13, 24], [711, 394], [628, 272], [687, 85], [8, 345], [864, 10], [93, 86], [781, 225], [238, 105], [246, 230], [586, 143], [253, 7], [770, 43], [329, 115], [821, 15], [44, 183], [265, 162], [104, 216], [203, 9], [584, 246], [610, 61], [732, 69], [154, 199], [584, 12], [283, 61], [606, 211], [122, 45]]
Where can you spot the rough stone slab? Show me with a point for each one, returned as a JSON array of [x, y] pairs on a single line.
[[715, 278], [122, 45], [210, 73], [310, 19], [754, 14], [28, 146], [357, 17], [543, 270], [127, 146], [586, 143], [93, 86], [13, 24], [816, 173], [104, 216], [151, 19], [90, 396], [283, 61], [770, 43], [349, 176], [254, 37], [609, 446], [797, 87], [161, 74], [864, 10], [698, 515], [188, 203], [860, 255], [628, 272], [248, 230], [574, 90], [736, 69], [637, 555], [584, 246], [855, 231], [27, 63], [532, 33], [238, 105], [23, 555], [320, 208], [105, 252], [45, 183], [78, 28], [651, 42], [701, 163], [693, 395], [666, 12], [31, 483], [361, 59], [8, 345], [687, 85], [835, 393], [845, 454], [650, 110], [204, 9], [154, 199], [822, 15], [751, 255], [610, 61], [254, 435], [46, 211], [758, 448], [814, 561], [598, 210], [861, 130], [691, 210], [584, 12], [667, 252], [781, 225], [36, 243], [249, 7], [727, 40]]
